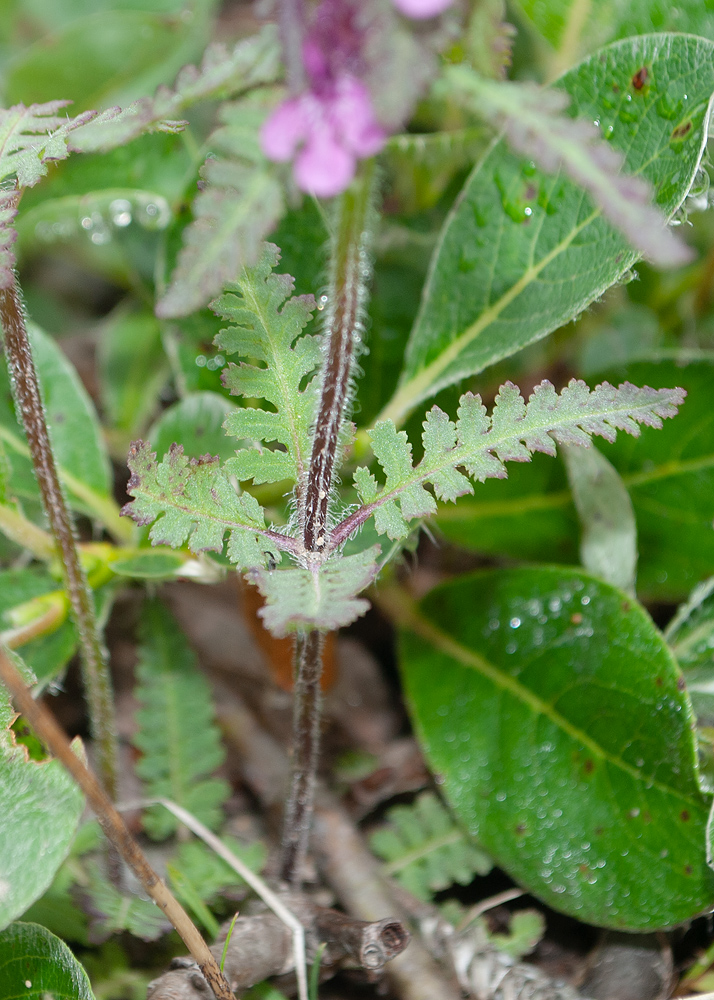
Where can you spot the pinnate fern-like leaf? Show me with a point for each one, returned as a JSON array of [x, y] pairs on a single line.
[[480, 445], [222, 74], [240, 202], [268, 330], [193, 500], [30, 138], [177, 733], [426, 850], [111, 911]]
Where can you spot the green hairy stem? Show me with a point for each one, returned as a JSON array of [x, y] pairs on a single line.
[[350, 271], [95, 670]]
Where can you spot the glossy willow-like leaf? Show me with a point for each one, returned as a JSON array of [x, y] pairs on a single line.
[[536, 124], [524, 252], [558, 718], [481, 444], [36, 964]]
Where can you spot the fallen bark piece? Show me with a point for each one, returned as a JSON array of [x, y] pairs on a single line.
[[261, 946]]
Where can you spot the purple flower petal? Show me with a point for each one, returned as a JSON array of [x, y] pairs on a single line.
[[324, 167], [285, 129], [422, 8], [352, 116]]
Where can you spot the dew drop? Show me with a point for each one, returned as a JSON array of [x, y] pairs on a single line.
[[515, 623], [201, 360], [120, 212]]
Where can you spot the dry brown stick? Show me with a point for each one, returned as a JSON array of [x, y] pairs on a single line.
[[260, 946], [347, 864], [46, 727], [353, 873]]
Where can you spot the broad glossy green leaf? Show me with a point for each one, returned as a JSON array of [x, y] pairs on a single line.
[[40, 807], [36, 964], [669, 474], [73, 426], [524, 252], [196, 422], [567, 23], [105, 58], [556, 716]]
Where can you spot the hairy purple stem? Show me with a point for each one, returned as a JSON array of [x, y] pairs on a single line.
[[97, 682], [346, 299]]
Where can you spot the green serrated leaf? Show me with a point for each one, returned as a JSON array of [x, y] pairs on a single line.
[[269, 331], [41, 807], [556, 714], [177, 733], [669, 475], [36, 964], [481, 444], [194, 501], [524, 252], [426, 850], [209, 873]]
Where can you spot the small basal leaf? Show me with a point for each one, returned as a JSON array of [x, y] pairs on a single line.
[[557, 717], [111, 911], [325, 598], [426, 850], [35, 964]]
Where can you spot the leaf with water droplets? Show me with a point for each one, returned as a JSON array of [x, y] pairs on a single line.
[[35, 965], [523, 251], [557, 716]]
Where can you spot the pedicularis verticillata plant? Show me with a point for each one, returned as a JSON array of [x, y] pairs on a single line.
[[550, 707]]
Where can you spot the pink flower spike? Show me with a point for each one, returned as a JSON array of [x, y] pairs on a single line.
[[324, 168], [285, 129], [353, 118], [422, 8]]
